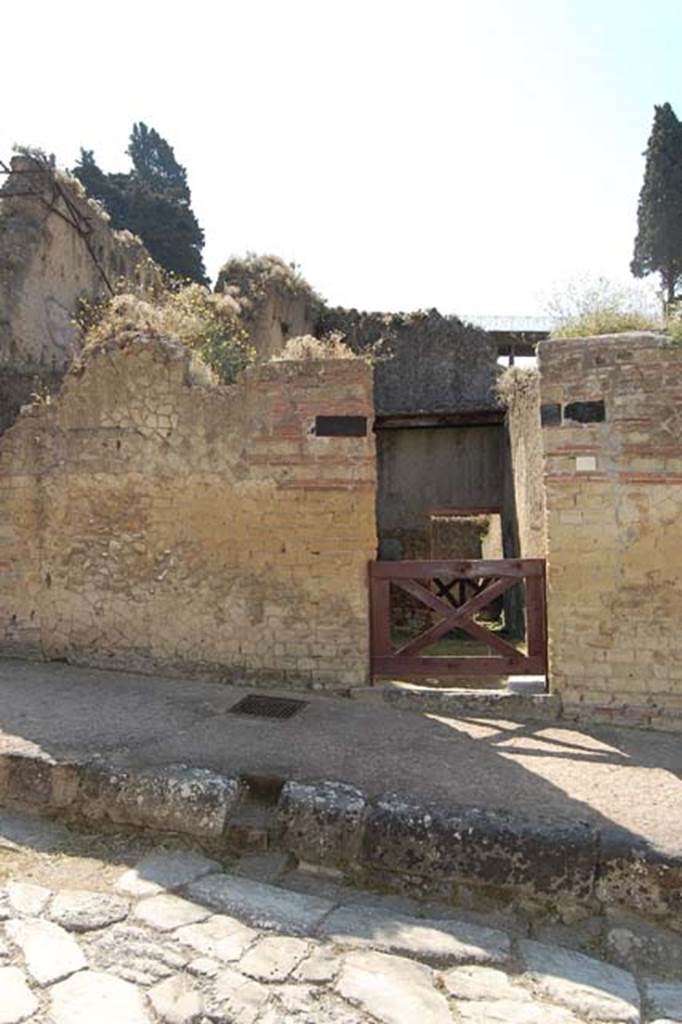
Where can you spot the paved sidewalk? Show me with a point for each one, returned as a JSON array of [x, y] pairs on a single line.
[[611, 777]]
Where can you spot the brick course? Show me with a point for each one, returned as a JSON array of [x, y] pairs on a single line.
[[614, 542], [149, 521]]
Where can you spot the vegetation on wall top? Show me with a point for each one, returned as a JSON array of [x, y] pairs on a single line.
[[208, 324], [249, 279], [307, 347], [589, 306]]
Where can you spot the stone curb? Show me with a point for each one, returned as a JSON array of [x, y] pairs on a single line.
[[460, 703], [172, 798], [427, 850]]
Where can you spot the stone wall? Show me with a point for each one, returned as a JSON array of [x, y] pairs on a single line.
[[275, 302], [521, 393], [152, 522], [613, 478], [280, 316], [425, 362], [56, 248]]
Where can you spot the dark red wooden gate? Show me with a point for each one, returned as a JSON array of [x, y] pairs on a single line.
[[457, 590]]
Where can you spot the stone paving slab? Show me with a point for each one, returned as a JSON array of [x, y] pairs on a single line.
[[165, 913], [305, 959], [17, 1002], [90, 997], [87, 911], [436, 942], [261, 905], [51, 953], [165, 869], [221, 938], [582, 984], [392, 989], [665, 998]]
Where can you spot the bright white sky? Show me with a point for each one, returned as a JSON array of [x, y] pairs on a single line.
[[460, 154]]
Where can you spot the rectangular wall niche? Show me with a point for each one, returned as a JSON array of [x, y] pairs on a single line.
[[341, 426], [585, 412], [550, 415]]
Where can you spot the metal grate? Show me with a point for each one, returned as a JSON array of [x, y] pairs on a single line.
[[268, 707]]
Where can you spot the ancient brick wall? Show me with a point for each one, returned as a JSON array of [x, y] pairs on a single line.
[[613, 478], [150, 521]]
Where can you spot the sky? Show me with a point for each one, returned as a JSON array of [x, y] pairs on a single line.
[[471, 156]]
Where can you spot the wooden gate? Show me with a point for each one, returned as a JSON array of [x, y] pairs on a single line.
[[457, 590]]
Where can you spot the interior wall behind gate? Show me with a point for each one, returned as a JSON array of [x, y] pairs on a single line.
[[422, 468]]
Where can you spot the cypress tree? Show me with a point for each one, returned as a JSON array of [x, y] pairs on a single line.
[[153, 201], [658, 245], [155, 164]]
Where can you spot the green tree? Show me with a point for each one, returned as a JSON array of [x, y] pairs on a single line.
[[153, 201], [658, 245], [155, 165]]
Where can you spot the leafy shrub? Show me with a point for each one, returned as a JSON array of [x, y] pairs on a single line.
[[207, 323]]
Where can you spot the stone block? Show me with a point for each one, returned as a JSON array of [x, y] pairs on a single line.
[[321, 823], [164, 870], [664, 998], [50, 953], [261, 905], [18, 1002], [175, 798], [639, 878], [440, 943], [480, 847], [392, 989], [588, 987], [92, 996]]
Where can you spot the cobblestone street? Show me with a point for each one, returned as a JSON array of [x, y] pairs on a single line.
[[109, 929]]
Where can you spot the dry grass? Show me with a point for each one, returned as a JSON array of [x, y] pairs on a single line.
[[306, 347]]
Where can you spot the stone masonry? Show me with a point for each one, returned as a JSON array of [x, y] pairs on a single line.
[[175, 938], [521, 393], [148, 520], [612, 438], [56, 248]]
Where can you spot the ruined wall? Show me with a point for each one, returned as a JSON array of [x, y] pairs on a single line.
[[275, 302], [280, 316], [425, 362], [56, 248], [148, 521], [613, 478], [521, 393]]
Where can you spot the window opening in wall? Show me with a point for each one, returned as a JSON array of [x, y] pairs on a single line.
[[585, 412], [340, 426]]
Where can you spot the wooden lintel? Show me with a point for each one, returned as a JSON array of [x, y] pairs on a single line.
[[411, 421]]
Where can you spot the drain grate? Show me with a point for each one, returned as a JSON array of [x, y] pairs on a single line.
[[268, 707]]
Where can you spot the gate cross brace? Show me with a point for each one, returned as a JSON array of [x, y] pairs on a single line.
[[461, 618], [445, 589]]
